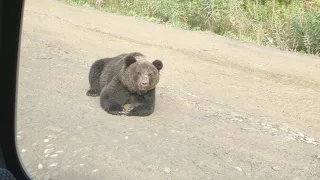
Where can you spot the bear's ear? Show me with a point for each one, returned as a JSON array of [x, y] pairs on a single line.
[[130, 60], [158, 64]]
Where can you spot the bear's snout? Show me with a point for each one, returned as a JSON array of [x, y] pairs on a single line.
[[144, 81]]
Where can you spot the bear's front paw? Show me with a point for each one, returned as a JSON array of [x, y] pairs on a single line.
[[116, 109], [117, 112], [92, 93], [130, 108], [136, 111], [132, 111]]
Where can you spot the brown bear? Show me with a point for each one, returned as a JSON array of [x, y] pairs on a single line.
[[125, 79]]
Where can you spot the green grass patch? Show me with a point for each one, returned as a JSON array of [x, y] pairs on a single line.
[[287, 24]]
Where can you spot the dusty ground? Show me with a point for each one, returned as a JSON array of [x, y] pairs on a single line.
[[224, 110]]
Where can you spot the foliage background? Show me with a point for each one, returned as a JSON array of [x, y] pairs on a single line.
[[286, 24]]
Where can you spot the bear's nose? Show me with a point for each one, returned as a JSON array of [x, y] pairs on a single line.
[[144, 83]]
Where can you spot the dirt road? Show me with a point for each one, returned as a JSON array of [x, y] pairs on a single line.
[[224, 110]]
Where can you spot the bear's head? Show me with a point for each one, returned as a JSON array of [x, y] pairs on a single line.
[[140, 76]]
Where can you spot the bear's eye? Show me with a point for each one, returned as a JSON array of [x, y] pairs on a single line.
[[139, 72], [149, 74]]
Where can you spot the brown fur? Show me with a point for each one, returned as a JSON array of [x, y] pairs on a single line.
[[117, 78]]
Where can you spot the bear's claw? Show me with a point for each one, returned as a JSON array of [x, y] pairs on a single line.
[[92, 93], [130, 108], [117, 112]]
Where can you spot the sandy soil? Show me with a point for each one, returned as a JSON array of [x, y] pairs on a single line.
[[224, 110]]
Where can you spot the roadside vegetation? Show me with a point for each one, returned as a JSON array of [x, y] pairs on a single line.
[[290, 25]]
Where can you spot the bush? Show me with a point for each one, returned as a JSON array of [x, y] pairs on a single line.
[[306, 32]]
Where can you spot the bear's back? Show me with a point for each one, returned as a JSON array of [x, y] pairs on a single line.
[[111, 68]]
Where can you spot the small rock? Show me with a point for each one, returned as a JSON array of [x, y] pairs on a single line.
[[52, 165], [238, 168], [81, 165], [23, 150], [96, 170], [318, 156], [276, 168], [300, 134], [309, 140], [47, 155], [46, 140], [46, 151], [54, 155], [19, 137], [40, 166], [59, 151], [166, 170], [294, 134], [127, 137], [48, 145]]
